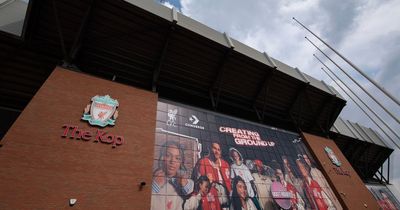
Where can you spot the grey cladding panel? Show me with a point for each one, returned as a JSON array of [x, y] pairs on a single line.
[[250, 52], [373, 136], [357, 131], [153, 7], [202, 29], [287, 70], [343, 129]]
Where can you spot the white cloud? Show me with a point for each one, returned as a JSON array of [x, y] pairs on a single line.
[[167, 4], [366, 32]]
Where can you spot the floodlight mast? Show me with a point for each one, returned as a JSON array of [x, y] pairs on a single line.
[[352, 65], [352, 79]]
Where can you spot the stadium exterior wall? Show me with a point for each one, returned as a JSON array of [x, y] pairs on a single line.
[[41, 169], [50, 155]]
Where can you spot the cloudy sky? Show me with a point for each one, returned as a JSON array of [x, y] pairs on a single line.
[[366, 32]]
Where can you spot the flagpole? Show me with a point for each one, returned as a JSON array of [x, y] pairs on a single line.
[[373, 112], [384, 108], [359, 106], [352, 65]]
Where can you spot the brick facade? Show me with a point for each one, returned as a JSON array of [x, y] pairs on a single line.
[[41, 170], [350, 189]]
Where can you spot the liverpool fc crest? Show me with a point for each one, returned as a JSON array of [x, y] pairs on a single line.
[[332, 156], [102, 112]]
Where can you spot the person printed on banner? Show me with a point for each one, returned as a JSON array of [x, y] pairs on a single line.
[[170, 180], [263, 181], [296, 201], [317, 175], [205, 197], [238, 168], [290, 177], [385, 202], [239, 199], [315, 194], [215, 168]]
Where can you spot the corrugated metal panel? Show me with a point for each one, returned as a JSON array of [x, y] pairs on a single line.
[[357, 131], [133, 41], [343, 128], [361, 132], [288, 70], [218, 37], [250, 52], [353, 130], [374, 138]]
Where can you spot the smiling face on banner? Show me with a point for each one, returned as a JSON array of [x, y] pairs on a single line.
[[242, 163]]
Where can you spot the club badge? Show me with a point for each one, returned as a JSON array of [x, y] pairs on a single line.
[[332, 156], [102, 112]]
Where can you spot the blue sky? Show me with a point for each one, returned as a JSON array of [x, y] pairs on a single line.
[[171, 3]]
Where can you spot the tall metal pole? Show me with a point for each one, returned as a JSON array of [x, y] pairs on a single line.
[[352, 65], [388, 179], [379, 103], [359, 106], [368, 107]]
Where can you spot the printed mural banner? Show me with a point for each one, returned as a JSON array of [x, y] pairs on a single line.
[[209, 161], [385, 198]]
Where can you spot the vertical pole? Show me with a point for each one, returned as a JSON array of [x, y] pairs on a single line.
[[388, 171]]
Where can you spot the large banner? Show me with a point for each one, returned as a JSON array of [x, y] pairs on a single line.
[[205, 160], [385, 198]]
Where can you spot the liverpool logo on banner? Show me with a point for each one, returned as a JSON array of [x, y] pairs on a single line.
[[102, 112]]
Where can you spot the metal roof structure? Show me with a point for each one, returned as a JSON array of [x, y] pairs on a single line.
[[146, 45], [363, 147], [357, 131]]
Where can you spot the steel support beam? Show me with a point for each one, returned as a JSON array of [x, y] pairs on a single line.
[[272, 116], [163, 53], [216, 86], [382, 177], [299, 95], [365, 155], [320, 111], [296, 125], [69, 57], [263, 87], [258, 114], [77, 44], [160, 61], [59, 30], [333, 116], [217, 82]]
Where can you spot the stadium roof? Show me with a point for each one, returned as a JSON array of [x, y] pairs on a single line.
[[144, 44], [364, 148]]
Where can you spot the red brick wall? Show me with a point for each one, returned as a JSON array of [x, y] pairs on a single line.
[[350, 190], [41, 170]]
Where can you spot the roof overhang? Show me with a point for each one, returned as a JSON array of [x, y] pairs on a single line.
[[363, 147], [150, 46]]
